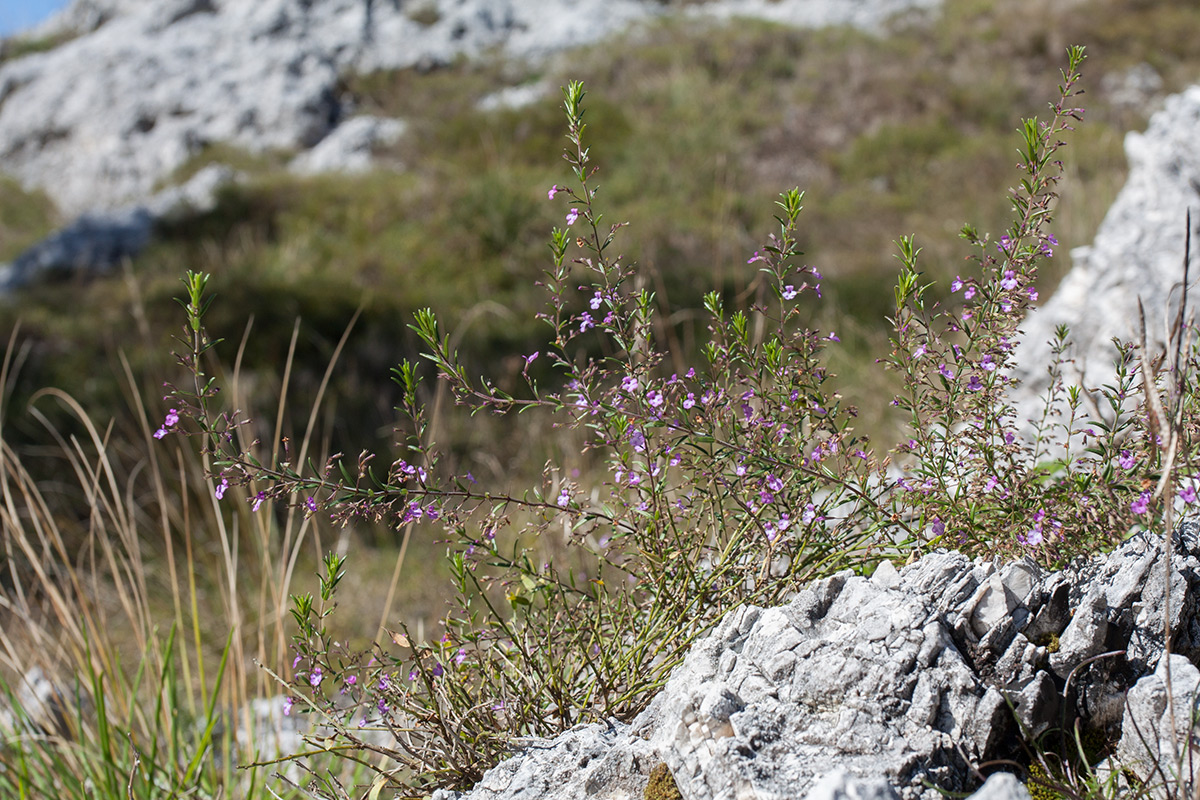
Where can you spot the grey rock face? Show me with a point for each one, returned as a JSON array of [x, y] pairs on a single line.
[[1138, 252], [94, 244], [1157, 745], [146, 84], [882, 687], [350, 147]]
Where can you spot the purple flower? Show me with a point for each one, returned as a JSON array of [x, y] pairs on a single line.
[[1188, 495], [553, 191], [460, 656], [220, 491], [937, 527], [974, 385], [637, 440], [946, 372], [691, 373], [920, 351], [956, 284], [1033, 295], [353, 679], [311, 504], [256, 504], [689, 401], [596, 301], [969, 293], [572, 215], [171, 420], [810, 514], [789, 292], [529, 359], [1126, 460], [437, 671], [1003, 244], [655, 398], [629, 384], [586, 322], [634, 479], [740, 469], [755, 257], [774, 484], [288, 702], [1141, 505], [564, 499], [1010, 281], [315, 677], [832, 337]]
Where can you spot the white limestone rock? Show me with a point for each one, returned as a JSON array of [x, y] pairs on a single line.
[[1137, 253]]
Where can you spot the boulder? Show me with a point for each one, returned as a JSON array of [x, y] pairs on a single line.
[[887, 686], [1137, 254]]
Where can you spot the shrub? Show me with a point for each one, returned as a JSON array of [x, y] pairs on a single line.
[[722, 482]]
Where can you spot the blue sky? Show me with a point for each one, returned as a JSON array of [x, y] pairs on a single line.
[[16, 15]]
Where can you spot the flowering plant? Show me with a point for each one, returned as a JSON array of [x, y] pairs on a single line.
[[725, 481]]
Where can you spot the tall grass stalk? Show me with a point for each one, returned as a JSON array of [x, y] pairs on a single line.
[[142, 608]]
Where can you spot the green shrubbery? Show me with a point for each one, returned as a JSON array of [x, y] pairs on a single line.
[[724, 481]]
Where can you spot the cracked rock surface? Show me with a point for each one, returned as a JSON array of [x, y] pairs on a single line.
[[885, 686]]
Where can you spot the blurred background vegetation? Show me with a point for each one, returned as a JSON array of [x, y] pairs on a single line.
[[696, 127]]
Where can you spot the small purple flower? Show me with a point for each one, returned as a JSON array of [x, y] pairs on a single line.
[[957, 284], [1004, 243], [1046, 249], [553, 191], [969, 293], [946, 372], [586, 322], [789, 292], [1033, 295], [774, 484], [460, 656], [259, 498], [315, 677], [832, 337], [564, 499], [937, 527], [596, 301], [1188, 495], [755, 257], [990, 484], [974, 385], [629, 384], [353, 679], [637, 440], [634, 479], [288, 702], [221, 487], [572, 215], [437, 671], [311, 504], [987, 364], [529, 359], [689, 401], [655, 398], [691, 373], [1141, 505], [740, 469], [1126, 460], [809, 515], [1010, 281], [920, 351], [171, 420]]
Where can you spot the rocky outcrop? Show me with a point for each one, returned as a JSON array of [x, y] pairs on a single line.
[[887, 686], [101, 120], [1137, 253], [139, 87]]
